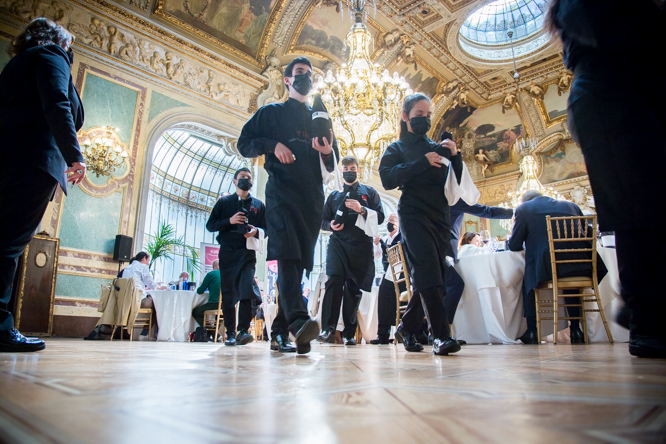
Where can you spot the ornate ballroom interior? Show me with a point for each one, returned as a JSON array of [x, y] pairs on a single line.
[[175, 81]]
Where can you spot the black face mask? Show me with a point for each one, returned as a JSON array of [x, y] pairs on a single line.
[[70, 54], [420, 125], [349, 176], [302, 83], [390, 227], [244, 184]]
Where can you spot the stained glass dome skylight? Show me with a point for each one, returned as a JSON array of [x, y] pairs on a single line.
[[489, 24]]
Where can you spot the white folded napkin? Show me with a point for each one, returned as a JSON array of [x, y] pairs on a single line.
[[465, 190], [256, 244], [368, 223], [332, 180]]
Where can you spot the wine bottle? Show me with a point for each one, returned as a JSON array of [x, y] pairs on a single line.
[[342, 211], [321, 123]]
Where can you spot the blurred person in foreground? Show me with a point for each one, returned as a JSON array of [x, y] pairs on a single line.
[[40, 112], [604, 107]]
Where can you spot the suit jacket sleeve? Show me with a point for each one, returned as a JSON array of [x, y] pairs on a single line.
[[519, 233], [204, 285], [488, 212], [255, 139], [394, 172], [261, 222], [53, 77]]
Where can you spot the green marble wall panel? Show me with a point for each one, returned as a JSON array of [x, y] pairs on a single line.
[[496, 229], [90, 223], [4, 57], [108, 103], [160, 103], [79, 286]]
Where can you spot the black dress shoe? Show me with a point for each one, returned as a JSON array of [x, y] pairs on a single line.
[[231, 339], [409, 340], [530, 337], [282, 344], [305, 334], [461, 341], [350, 341], [647, 346], [12, 341], [380, 340], [445, 346], [399, 334], [577, 336], [244, 337], [326, 337]]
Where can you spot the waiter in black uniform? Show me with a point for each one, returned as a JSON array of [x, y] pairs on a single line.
[[420, 167], [350, 264], [238, 217], [386, 298], [294, 196]]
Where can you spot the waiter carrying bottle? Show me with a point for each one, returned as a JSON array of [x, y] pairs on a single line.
[[239, 218], [350, 264], [419, 167], [294, 196]]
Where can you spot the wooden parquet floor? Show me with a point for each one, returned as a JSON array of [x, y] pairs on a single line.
[[146, 392]]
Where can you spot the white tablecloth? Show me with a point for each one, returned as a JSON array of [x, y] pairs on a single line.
[[174, 313], [491, 308]]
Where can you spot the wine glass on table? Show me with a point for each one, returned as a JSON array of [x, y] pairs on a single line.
[[485, 236]]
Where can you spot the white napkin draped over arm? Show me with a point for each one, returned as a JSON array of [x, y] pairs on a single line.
[[332, 179], [368, 223], [465, 190], [256, 244]]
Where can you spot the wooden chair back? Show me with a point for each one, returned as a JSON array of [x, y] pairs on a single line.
[[215, 325], [398, 267]]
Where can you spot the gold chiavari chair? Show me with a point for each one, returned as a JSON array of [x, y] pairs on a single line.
[[571, 229], [213, 318], [397, 265]]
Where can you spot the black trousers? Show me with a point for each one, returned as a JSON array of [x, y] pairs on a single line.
[[529, 308], [23, 201], [640, 275], [247, 308], [387, 306], [341, 292], [292, 311], [428, 302]]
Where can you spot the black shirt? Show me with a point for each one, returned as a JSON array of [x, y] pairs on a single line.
[[367, 196], [230, 237]]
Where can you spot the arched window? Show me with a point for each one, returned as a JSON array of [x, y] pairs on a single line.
[[191, 169]]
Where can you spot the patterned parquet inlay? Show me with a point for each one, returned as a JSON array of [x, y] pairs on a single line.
[[147, 392]]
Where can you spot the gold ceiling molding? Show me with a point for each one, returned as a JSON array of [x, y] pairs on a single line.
[[291, 14], [263, 43], [563, 84], [139, 24]]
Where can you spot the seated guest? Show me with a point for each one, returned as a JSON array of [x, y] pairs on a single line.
[[184, 277], [211, 283], [471, 245], [530, 228], [461, 208], [138, 269]]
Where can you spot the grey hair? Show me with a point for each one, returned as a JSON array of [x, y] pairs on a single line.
[[529, 195]]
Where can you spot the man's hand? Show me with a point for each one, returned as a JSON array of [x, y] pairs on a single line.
[[76, 173], [435, 159], [327, 148], [252, 232], [354, 204], [284, 154], [376, 240], [451, 145], [238, 218], [336, 227]]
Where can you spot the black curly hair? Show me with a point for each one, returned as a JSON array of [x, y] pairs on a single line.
[[41, 31]]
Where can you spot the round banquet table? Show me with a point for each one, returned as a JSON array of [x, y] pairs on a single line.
[[174, 313], [491, 307]]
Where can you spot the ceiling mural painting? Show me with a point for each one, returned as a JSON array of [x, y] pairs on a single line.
[[242, 26]]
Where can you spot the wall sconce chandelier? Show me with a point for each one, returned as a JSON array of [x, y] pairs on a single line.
[[363, 100], [102, 150]]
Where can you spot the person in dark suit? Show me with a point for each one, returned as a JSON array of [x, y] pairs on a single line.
[[531, 229], [625, 167], [40, 112]]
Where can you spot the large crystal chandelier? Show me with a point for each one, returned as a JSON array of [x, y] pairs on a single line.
[[102, 150], [363, 101], [524, 147]]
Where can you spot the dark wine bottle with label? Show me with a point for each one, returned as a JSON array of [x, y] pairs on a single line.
[[342, 211], [321, 122]]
